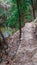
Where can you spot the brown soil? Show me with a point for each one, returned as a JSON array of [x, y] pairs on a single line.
[[24, 52]]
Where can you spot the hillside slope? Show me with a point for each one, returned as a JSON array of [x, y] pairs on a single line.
[[27, 49]]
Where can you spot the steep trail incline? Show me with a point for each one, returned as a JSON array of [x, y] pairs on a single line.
[[27, 52]]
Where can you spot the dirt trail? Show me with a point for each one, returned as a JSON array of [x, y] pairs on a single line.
[[27, 50]]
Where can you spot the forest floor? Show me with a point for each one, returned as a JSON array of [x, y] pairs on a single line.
[[24, 52]]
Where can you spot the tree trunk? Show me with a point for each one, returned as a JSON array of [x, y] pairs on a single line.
[[33, 9], [18, 5]]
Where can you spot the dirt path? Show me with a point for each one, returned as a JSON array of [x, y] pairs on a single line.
[[27, 50]]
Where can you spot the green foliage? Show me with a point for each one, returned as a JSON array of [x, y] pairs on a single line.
[[12, 13], [12, 19], [7, 31], [27, 10]]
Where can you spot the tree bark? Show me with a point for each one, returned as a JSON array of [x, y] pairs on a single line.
[[18, 6], [33, 9]]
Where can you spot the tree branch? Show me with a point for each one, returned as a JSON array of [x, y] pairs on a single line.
[[6, 7]]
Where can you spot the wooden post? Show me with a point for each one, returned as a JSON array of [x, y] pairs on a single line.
[[33, 9]]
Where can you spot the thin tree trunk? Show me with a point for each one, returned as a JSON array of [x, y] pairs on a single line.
[[5, 43], [33, 9], [18, 5]]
